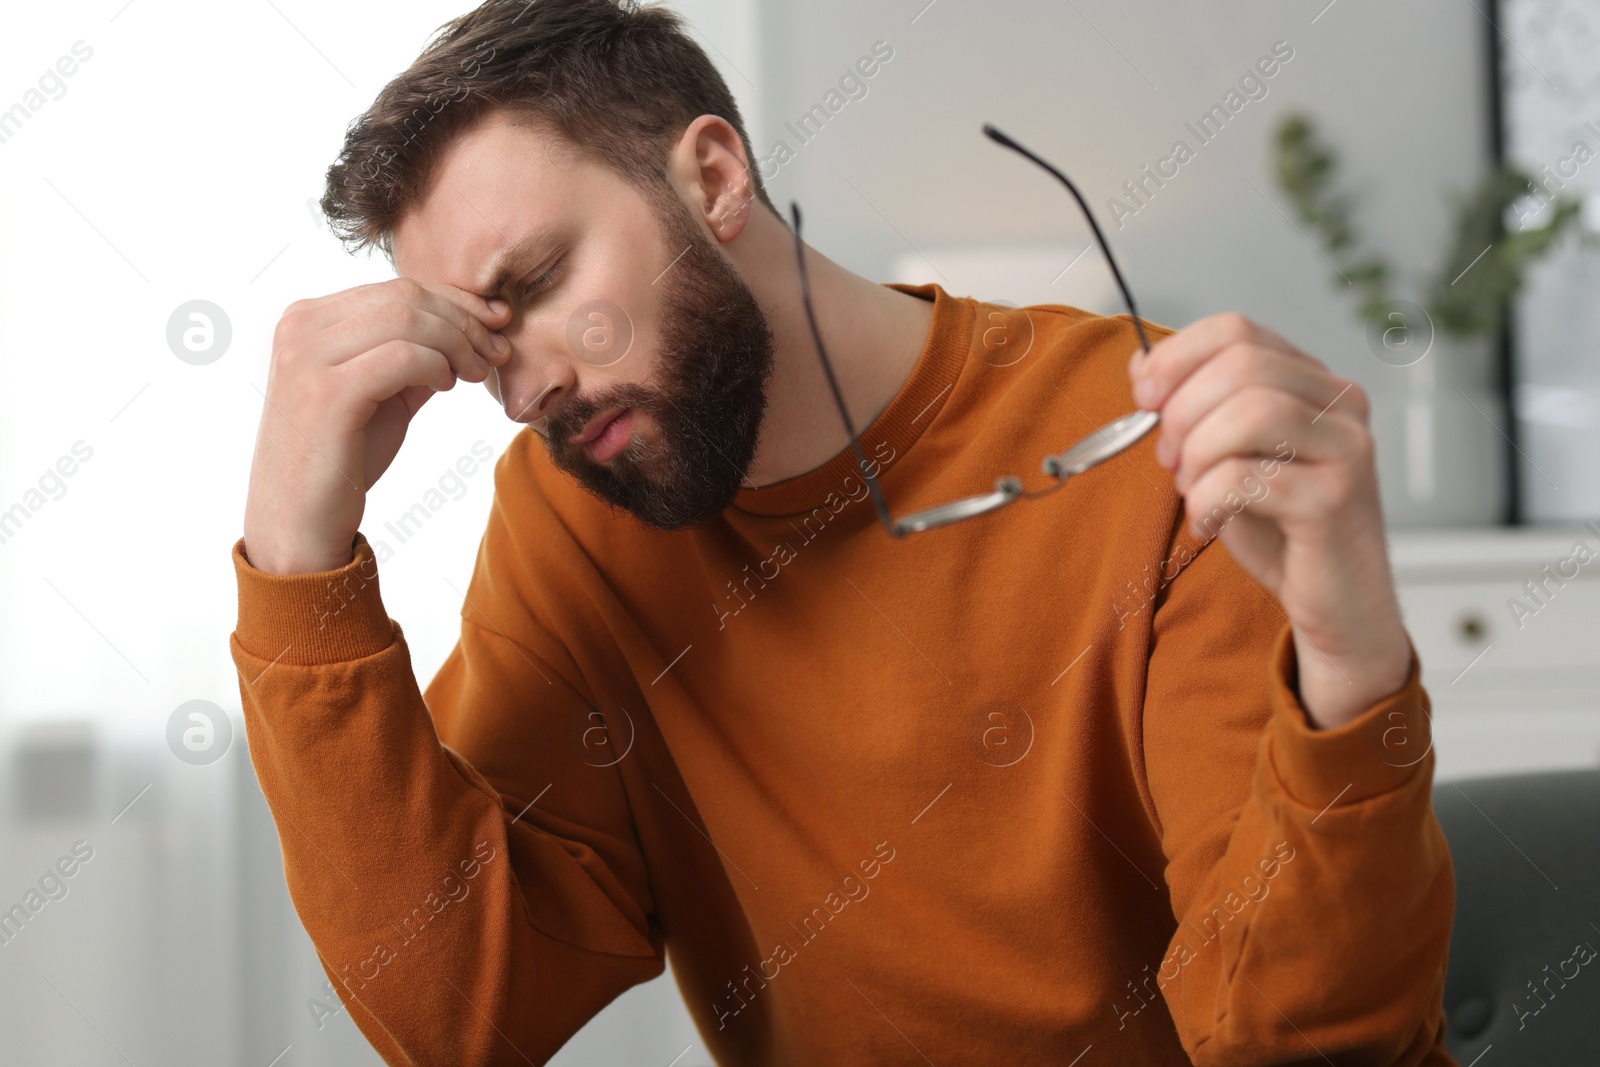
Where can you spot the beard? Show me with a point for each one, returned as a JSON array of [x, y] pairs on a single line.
[[716, 359]]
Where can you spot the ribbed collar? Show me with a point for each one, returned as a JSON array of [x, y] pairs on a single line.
[[913, 408]]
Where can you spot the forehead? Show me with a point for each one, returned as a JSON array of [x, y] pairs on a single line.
[[497, 187]]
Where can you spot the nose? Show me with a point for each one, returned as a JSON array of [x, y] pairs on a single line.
[[529, 390], [520, 409]]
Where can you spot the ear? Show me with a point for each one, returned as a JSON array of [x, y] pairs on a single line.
[[709, 168]]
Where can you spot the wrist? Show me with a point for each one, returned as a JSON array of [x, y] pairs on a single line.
[[271, 557], [1333, 690]]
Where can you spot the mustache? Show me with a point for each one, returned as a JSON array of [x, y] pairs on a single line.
[[570, 420]]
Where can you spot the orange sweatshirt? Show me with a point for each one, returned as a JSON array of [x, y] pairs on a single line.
[[1002, 793]]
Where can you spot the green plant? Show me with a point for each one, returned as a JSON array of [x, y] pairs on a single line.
[[1483, 267]]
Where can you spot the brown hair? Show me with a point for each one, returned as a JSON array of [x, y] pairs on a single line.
[[617, 80]]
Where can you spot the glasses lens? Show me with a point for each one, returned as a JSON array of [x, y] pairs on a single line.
[[1005, 491], [1102, 444]]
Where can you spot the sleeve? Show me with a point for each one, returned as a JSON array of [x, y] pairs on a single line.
[[472, 883], [1310, 881]]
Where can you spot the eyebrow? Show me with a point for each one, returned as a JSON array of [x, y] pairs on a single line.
[[505, 265]]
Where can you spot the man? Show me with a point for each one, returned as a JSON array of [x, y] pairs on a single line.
[[1067, 777]]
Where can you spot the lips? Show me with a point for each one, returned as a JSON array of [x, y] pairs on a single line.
[[607, 434], [592, 428]]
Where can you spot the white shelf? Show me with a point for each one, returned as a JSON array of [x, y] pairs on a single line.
[[1513, 689], [1432, 554]]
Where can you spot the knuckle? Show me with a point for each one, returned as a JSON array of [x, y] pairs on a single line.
[[1265, 354], [1185, 454], [1241, 470], [1363, 449], [1234, 325], [1285, 407], [290, 322], [400, 316], [438, 363], [1350, 400], [1264, 404], [286, 355], [1362, 401], [461, 346], [1254, 361], [1341, 489]]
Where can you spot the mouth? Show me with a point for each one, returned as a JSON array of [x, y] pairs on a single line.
[[606, 434]]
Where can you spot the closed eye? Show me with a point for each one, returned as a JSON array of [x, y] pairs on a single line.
[[542, 282]]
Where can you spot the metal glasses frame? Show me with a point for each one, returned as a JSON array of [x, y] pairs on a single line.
[[1101, 444]]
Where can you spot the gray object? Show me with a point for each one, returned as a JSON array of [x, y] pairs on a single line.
[[1524, 973], [1102, 444]]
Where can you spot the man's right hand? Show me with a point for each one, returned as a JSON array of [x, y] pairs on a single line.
[[348, 372]]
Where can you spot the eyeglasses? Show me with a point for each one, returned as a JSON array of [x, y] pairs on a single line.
[[1097, 447]]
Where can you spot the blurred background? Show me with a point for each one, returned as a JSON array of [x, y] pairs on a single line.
[[160, 162]]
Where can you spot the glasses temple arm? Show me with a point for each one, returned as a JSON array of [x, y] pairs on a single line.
[[827, 369], [995, 135]]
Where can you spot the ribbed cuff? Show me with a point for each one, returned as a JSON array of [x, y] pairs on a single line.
[[1377, 751], [321, 617]]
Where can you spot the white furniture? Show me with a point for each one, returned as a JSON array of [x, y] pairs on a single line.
[[1505, 622]]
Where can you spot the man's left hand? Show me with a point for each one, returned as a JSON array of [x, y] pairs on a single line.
[[1271, 452]]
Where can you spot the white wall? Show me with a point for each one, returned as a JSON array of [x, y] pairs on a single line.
[[1397, 85]]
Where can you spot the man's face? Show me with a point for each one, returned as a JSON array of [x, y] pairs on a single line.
[[637, 349]]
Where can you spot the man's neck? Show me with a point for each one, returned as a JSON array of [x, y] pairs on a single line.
[[874, 336]]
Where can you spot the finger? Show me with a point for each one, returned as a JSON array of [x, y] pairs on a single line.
[[476, 317], [1237, 497], [402, 321], [414, 396], [1259, 422], [319, 312], [1241, 365], [1315, 499], [1351, 400], [1175, 357], [396, 366]]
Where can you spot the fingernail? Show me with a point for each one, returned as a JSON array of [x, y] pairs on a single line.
[[498, 306], [501, 345], [1144, 391]]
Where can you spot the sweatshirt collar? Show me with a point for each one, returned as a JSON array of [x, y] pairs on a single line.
[[912, 410]]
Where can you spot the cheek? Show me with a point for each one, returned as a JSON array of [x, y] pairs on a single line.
[[636, 273], [642, 306]]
